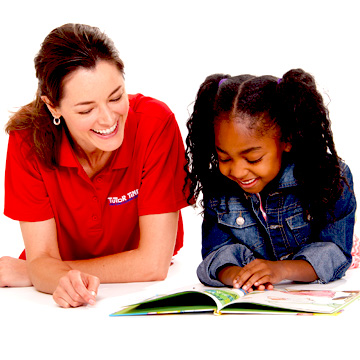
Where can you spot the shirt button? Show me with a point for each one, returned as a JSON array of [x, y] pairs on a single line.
[[99, 179], [240, 220], [94, 198], [94, 217]]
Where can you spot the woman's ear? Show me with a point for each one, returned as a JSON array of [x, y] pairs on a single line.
[[54, 112]]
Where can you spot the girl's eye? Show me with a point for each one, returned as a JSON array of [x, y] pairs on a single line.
[[223, 160], [254, 161]]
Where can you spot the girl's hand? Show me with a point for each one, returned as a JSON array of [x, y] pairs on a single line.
[[259, 274], [76, 289], [13, 272]]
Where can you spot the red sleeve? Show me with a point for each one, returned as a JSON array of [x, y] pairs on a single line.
[[26, 198], [163, 177]]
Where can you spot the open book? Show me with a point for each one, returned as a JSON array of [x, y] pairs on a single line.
[[237, 301]]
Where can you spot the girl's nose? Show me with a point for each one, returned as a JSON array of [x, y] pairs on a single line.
[[238, 170]]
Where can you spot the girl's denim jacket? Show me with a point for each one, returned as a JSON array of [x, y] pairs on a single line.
[[234, 231]]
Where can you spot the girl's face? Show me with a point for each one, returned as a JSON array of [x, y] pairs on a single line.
[[251, 160], [95, 107]]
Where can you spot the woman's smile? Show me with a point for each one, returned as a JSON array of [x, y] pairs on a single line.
[[105, 132], [95, 108]]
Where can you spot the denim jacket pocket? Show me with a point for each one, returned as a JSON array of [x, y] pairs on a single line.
[[244, 227], [299, 228]]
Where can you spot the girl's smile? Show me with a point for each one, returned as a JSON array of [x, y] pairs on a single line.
[[249, 159], [249, 183]]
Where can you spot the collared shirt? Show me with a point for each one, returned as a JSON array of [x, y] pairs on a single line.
[[100, 216], [235, 232]]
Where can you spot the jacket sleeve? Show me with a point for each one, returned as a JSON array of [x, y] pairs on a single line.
[[331, 255], [218, 250]]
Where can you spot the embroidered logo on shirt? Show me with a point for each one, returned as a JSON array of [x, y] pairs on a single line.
[[114, 200]]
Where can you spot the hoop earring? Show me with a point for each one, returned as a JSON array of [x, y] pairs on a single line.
[[56, 121]]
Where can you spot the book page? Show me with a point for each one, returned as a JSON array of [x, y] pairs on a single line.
[[224, 296], [316, 301]]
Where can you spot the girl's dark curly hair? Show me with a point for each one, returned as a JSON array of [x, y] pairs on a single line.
[[294, 107]]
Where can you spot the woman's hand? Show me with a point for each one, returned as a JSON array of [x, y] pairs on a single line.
[[13, 272], [76, 289]]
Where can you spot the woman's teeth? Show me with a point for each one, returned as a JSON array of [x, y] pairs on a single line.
[[107, 131]]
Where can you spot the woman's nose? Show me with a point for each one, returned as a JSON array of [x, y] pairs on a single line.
[[106, 115]]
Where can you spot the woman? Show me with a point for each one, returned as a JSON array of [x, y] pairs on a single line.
[[93, 175]]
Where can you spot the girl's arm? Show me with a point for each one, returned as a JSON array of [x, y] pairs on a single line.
[[74, 283], [262, 274]]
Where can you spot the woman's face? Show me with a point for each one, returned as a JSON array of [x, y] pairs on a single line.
[[95, 107], [251, 161]]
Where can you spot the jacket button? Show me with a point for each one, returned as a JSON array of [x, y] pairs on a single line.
[[240, 220]]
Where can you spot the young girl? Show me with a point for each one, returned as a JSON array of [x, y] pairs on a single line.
[[278, 201]]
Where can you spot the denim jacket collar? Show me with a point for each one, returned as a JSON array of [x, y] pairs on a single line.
[[286, 179]]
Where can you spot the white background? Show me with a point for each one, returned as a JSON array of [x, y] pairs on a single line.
[[169, 47]]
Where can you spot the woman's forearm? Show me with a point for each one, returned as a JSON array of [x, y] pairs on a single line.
[[45, 273], [129, 266], [149, 262]]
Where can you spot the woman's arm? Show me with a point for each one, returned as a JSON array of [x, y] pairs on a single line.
[[149, 262], [74, 283], [48, 273]]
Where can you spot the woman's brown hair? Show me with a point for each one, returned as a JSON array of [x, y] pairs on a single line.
[[66, 49]]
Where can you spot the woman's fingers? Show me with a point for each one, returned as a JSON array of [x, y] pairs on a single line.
[[76, 289]]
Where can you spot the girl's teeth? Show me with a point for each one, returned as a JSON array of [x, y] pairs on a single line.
[[247, 182], [107, 131]]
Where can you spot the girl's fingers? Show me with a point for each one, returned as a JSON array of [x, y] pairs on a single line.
[[247, 276], [251, 277]]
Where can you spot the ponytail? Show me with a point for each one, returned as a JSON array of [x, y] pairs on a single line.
[[304, 122], [200, 151]]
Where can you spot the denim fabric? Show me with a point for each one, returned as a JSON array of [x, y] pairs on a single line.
[[234, 232]]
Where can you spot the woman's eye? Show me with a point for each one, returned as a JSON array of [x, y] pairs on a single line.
[[224, 160], [116, 99], [85, 112]]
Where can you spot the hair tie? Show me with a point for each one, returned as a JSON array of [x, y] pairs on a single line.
[[221, 81], [279, 80]]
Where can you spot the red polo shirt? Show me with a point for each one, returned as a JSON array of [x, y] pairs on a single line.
[[100, 216]]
